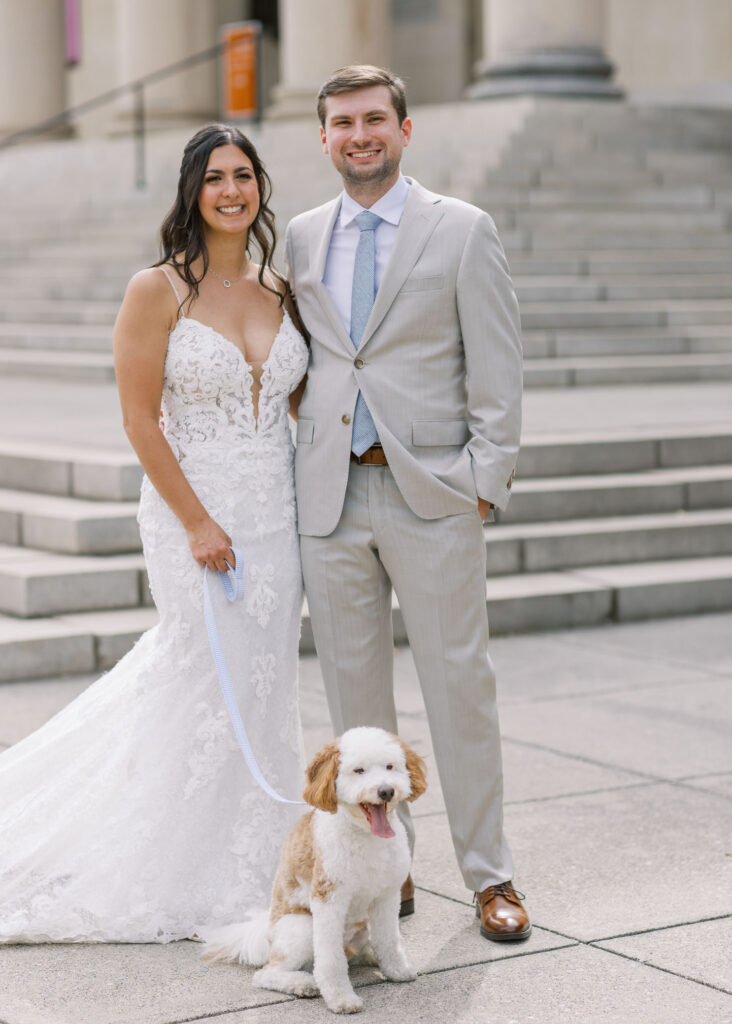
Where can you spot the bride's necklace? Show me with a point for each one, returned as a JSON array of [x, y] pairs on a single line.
[[227, 282]]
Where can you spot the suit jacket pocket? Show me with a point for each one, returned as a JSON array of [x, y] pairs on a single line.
[[434, 432], [305, 430], [423, 284]]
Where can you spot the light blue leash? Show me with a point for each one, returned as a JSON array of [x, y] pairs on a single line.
[[232, 582]]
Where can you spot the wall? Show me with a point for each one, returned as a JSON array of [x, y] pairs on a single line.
[[669, 44]]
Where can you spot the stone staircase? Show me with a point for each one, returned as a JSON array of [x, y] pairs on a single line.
[[598, 529], [618, 228]]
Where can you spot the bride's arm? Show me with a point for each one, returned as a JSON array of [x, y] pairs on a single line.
[[147, 314]]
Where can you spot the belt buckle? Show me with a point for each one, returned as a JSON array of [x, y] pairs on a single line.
[[362, 459]]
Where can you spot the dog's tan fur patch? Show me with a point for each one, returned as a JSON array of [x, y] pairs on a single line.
[[322, 885], [296, 870], [417, 771], [321, 774], [300, 871]]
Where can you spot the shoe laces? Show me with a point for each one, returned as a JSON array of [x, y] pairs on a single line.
[[504, 889]]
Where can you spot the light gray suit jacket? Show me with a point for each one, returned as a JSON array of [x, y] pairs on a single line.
[[439, 364]]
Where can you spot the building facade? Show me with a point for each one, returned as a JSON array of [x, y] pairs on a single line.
[[56, 54]]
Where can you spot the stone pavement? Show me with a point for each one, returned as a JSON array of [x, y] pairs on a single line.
[[618, 807]]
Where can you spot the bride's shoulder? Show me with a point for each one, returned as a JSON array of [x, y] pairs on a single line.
[[160, 285], [151, 282], [153, 294]]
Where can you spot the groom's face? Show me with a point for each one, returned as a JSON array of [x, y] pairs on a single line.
[[363, 137]]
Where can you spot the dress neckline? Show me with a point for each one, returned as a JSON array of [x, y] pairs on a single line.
[[228, 341]]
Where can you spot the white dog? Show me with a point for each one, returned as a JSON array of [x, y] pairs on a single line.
[[337, 889]]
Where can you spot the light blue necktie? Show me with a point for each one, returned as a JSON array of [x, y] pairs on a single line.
[[362, 299]]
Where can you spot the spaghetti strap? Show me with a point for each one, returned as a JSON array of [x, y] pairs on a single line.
[[172, 285], [271, 278]]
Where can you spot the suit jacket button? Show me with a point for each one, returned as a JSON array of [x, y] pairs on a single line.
[[358, 363], [345, 418]]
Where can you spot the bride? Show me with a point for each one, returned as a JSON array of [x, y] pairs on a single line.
[[131, 816]]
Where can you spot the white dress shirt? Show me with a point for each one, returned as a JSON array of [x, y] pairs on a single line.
[[338, 275]]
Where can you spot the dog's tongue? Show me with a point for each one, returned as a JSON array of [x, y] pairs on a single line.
[[379, 822]]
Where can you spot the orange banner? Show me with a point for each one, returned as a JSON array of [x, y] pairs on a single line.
[[240, 71]]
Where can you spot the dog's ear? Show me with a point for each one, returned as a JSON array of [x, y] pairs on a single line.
[[321, 774], [417, 771]]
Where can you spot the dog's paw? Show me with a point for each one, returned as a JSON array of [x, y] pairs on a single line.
[[407, 974], [399, 971], [305, 989], [344, 1002], [365, 957]]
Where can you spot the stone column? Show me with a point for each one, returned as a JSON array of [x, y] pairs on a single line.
[[32, 62], [319, 36], [540, 47], [152, 34]]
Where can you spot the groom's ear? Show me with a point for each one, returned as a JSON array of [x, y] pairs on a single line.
[[323, 140]]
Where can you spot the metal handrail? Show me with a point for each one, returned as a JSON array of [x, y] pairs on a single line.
[[137, 88]]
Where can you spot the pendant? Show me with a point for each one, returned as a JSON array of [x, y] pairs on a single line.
[[227, 284]]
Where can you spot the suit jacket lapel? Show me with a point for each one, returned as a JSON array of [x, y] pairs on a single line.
[[422, 213], [319, 244]]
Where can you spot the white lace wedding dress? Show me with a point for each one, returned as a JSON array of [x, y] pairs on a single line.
[[131, 815]]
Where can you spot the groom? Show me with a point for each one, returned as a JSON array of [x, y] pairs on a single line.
[[407, 436]]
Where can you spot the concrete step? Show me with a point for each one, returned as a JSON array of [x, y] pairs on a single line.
[[623, 197], [592, 454], [585, 153], [104, 475], [626, 369], [629, 313], [538, 372], [92, 366], [595, 594], [66, 337], [87, 642], [599, 220], [623, 287], [68, 525], [643, 263], [529, 171], [540, 547], [64, 251], [76, 262], [618, 494], [80, 289], [583, 237], [630, 341], [36, 583], [66, 471], [74, 526], [94, 641], [58, 311]]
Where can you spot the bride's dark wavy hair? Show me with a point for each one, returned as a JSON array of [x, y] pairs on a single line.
[[182, 239]]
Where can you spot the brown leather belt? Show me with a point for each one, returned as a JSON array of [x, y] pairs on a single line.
[[373, 456]]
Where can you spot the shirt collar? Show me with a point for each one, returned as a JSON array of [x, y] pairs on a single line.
[[390, 207]]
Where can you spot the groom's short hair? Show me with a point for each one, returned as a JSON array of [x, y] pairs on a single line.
[[363, 76]]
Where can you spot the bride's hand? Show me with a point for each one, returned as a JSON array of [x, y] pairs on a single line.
[[211, 546]]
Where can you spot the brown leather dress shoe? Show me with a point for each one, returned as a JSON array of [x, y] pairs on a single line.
[[502, 914], [407, 905]]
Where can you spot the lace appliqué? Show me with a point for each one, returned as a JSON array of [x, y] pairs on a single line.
[[262, 600], [212, 740], [264, 677]]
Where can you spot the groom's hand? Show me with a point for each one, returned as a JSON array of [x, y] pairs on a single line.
[[484, 507]]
